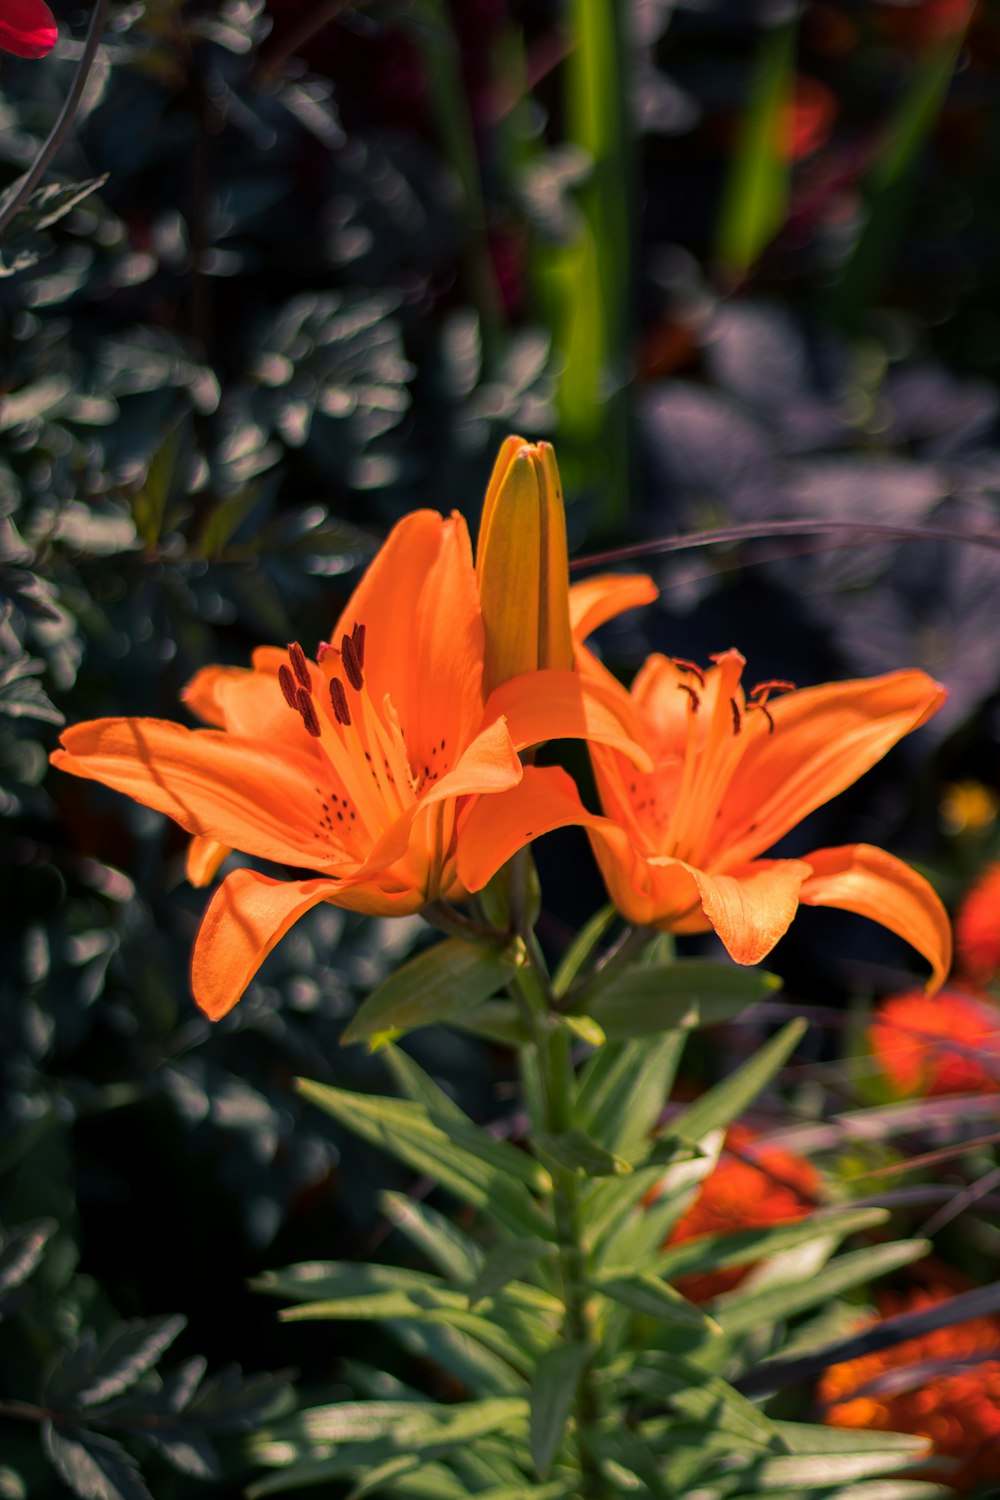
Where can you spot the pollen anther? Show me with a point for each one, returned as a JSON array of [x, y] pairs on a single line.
[[338, 698], [307, 708], [358, 637], [297, 657], [352, 666], [689, 666], [287, 684], [737, 720], [682, 687]]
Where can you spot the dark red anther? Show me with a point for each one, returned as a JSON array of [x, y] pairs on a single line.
[[773, 685], [349, 656], [737, 721], [341, 709], [307, 708], [287, 684], [358, 637], [297, 657], [695, 700], [689, 666]]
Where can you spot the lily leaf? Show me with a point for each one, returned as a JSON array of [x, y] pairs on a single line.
[[553, 1392], [680, 996], [435, 985]]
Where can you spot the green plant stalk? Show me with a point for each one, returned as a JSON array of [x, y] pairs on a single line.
[[554, 1072]]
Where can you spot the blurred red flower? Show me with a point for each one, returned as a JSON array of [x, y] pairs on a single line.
[[977, 928], [813, 111], [943, 1385], [753, 1187], [946, 1045], [27, 28]]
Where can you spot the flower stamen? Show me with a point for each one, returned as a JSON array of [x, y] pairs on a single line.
[[683, 665], [307, 708], [737, 720], [338, 698], [300, 667], [358, 639], [352, 663], [682, 687], [287, 684]]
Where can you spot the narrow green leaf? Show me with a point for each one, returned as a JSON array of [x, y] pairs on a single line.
[[723, 1103], [810, 1437], [817, 1471], [699, 1394], [432, 986], [410, 1425], [422, 1088], [575, 1150], [504, 1264], [496, 1020], [491, 1175], [714, 1251], [680, 996], [755, 197], [623, 1090], [656, 1299], [553, 1392], [741, 1312], [581, 947], [628, 1463], [455, 1255]]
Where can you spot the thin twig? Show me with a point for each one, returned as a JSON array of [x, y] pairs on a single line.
[[798, 526], [67, 114]]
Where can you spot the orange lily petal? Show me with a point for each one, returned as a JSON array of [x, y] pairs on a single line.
[[204, 857], [220, 786], [824, 738], [751, 910], [604, 596], [496, 827], [567, 705], [490, 764], [421, 587], [866, 880], [248, 915], [201, 693]]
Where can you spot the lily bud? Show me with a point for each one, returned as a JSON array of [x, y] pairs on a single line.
[[522, 565]]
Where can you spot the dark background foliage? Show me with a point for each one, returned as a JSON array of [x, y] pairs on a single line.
[[297, 270]]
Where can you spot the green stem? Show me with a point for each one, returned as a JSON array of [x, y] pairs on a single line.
[[555, 1080]]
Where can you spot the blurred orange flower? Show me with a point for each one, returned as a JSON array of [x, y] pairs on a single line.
[[943, 1385], [946, 1045], [977, 928], [753, 1186]]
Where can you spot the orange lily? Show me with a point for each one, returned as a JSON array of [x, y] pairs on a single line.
[[361, 766], [680, 847]]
